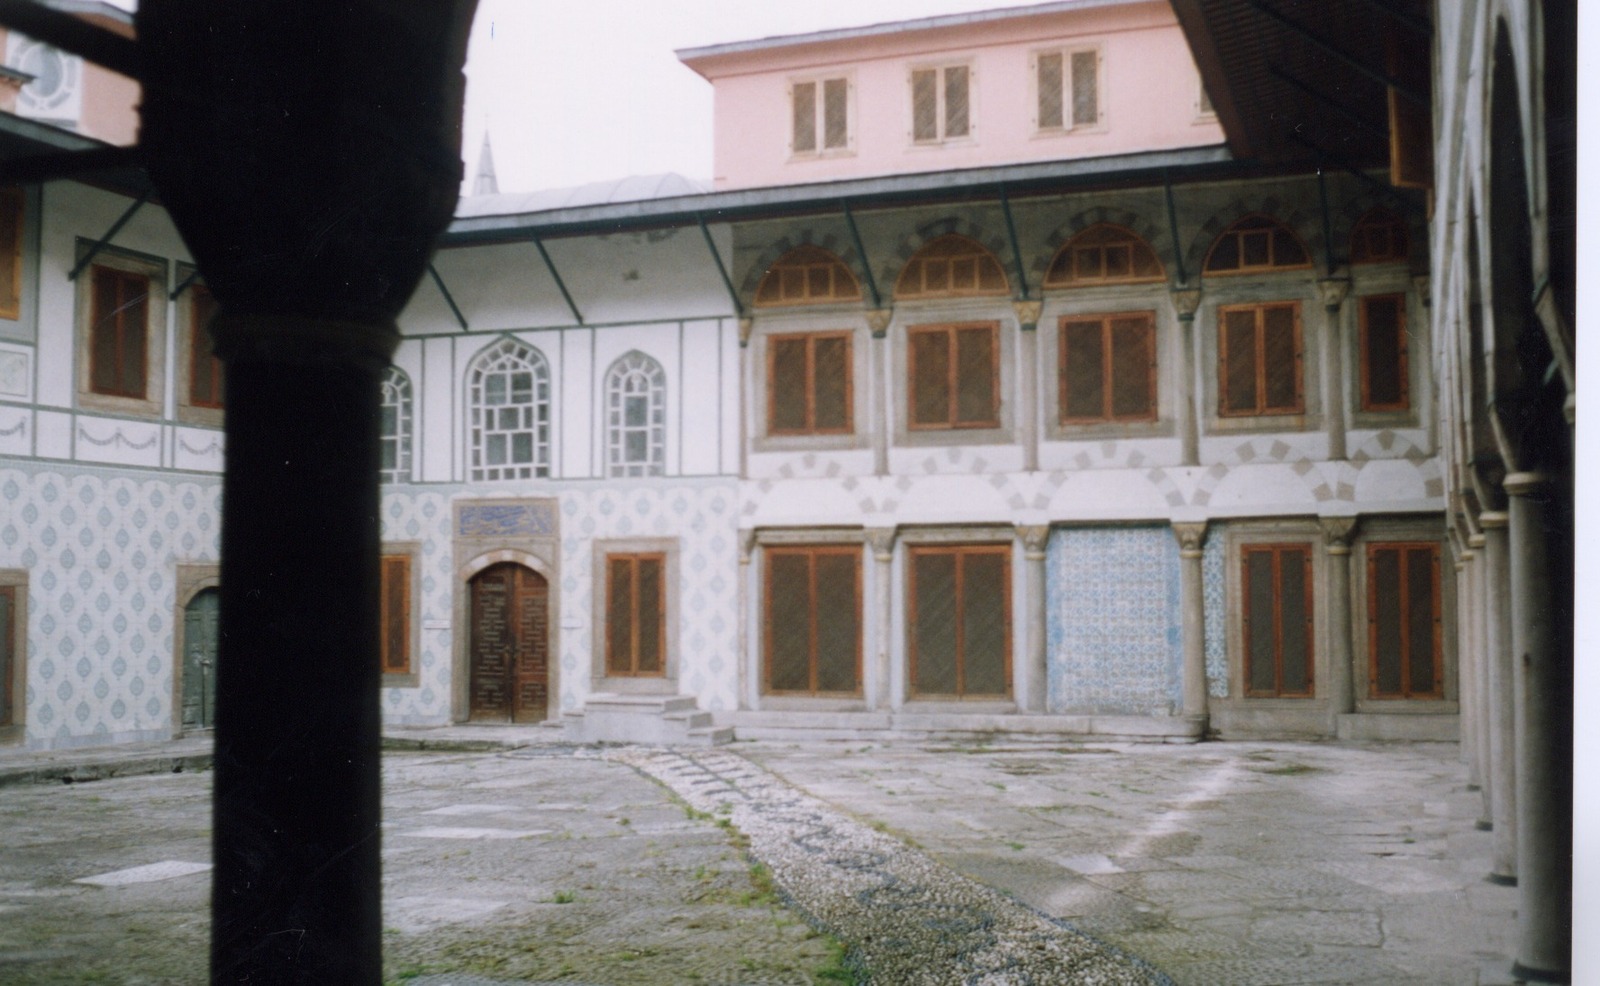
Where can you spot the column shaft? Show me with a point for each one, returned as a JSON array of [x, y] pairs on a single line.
[[1028, 406], [880, 687], [1192, 603], [1035, 683], [1501, 722], [1467, 683], [1333, 380], [879, 401], [1482, 724], [1188, 396], [1341, 649]]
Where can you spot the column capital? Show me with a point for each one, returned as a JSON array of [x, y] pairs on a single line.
[[1034, 538], [1525, 483], [878, 320], [1191, 538], [1476, 541], [881, 541], [1493, 519], [1333, 291], [746, 325], [1187, 301], [747, 545], [1028, 313], [1337, 533]]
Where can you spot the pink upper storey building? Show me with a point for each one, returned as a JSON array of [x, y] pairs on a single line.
[[1057, 81]]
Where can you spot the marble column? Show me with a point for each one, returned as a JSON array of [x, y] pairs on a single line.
[[1186, 301], [1333, 291], [1543, 738], [879, 686], [749, 683], [1338, 533], [1482, 726], [1192, 601], [882, 390], [746, 390], [1035, 677], [1466, 668], [1028, 382], [1501, 722]]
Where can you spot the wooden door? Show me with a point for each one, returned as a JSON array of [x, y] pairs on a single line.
[[509, 664], [200, 660]]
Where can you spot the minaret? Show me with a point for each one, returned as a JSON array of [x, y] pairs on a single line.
[[485, 183]]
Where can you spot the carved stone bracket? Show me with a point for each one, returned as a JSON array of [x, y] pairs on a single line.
[[878, 321], [881, 541], [1337, 533], [745, 327], [1187, 301], [1034, 538], [1492, 519], [747, 545], [1191, 538], [1333, 291], [1028, 313]]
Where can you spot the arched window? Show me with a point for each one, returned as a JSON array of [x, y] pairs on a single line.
[[636, 417], [951, 266], [1378, 237], [395, 428], [1104, 254], [1255, 244], [807, 275], [508, 411]]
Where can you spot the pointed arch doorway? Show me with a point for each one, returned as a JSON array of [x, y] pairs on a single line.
[[508, 656]]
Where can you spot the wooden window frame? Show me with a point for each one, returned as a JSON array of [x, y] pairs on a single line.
[[132, 327], [395, 569], [634, 558], [819, 124], [1261, 409], [1067, 125], [14, 690], [919, 261], [408, 553], [912, 552], [810, 339], [811, 553], [1402, 345], [1380, 218], [1069, 252], [154, 270], [13, 220], [1309, 587], [808, 258], [1107, 374], [941, 113], [1271, 266], [949, 329], [1432, 547]]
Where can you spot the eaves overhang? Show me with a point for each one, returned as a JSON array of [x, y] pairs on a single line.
[[860, 194], [22, 138]]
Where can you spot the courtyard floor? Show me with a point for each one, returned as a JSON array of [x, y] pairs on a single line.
[[1225, 864]]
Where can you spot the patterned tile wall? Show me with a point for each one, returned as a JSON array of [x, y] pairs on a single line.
[[101, 550], [1216, 611], [1113, 621]]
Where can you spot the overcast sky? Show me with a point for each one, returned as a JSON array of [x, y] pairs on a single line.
[[574, 91]]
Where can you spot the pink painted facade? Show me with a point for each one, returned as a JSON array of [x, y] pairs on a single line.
[[1145, 93], [93, 101]]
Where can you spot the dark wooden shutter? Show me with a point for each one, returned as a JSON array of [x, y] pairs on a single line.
[[395, 618], [1422, 621], [649, 615], [1260, 623], [8, 662], [831, 383], [837, 621], [933, 622], [1404, 635], [835, 114], [1294, 609], [1050, 78], [1238, 361], [957, 118], [805, 117], [118, 332], [1082, 371], [930, 377], [1410, 124], [11, 208], [1279, 647], [1280, 354], [960, 616], [620, 588], [985, 618], [1085, 89], [788, 623], [1384, 371], [1132, 368], [977, 389], [925, 104], [787, 382], [1385, 622]]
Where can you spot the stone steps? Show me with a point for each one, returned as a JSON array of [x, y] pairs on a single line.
[[661, 720]]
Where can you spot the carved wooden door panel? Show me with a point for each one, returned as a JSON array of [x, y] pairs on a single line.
[[531, 665], [200, 660], [510, 651]]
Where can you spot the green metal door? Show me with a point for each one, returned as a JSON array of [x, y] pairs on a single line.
[[200, 660]]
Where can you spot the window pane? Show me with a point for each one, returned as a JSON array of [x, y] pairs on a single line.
[[396, 614], [788, 384], [1384, 571], [1083, 370], [805, 117], [925, 105], [838, 628], [1131, 393], [1383, 361], [1296, 627], [1050, 90], [636, 446], [1085, 89], [1255, 248], [1225, 254], [1260, 636], [636, 411], [1279, 351], [103, 374], [831, 409], [649, 616], [494, 450], [983, 622], [522, 447], [955, 101], [494, 389], [975, 395], [835, 113], [619, 622], [788, 621], [933, 577], [1239, 355], [1286, 250], [521, 388], [930, 382], [1420, 614]]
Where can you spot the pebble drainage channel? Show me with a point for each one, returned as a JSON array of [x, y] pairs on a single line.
[[905, 919]]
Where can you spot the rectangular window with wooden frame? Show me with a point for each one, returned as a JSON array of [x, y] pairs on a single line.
[[12, 206], [395, 614], [1277, 627], [959, 621], [941, 103], [1108, 368], [954, 373], [821, 116], [1385, 360], [1260, 358], [813, 619], [1067, 87], [636, 606], [809, 384], [10, 657], [1404, 624], [118, 344]]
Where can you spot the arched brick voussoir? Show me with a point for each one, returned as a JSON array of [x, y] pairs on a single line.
[[1388, 446], [1147, 229], [1329, 483], [1302, 221], [889, 269], [835, 241]]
